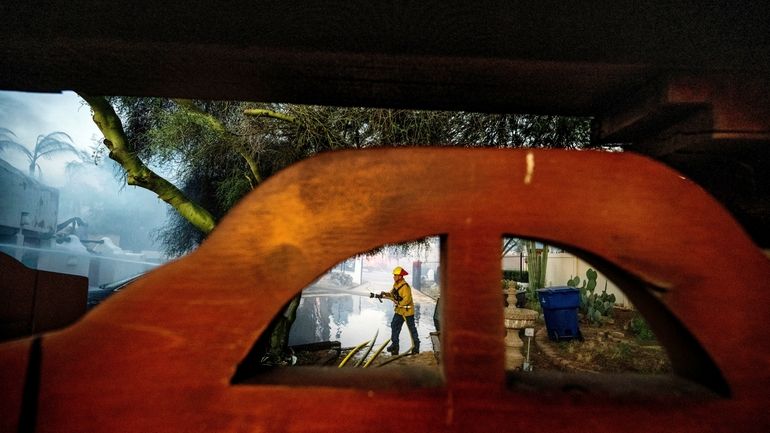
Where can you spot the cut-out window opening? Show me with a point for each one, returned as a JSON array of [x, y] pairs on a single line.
[[345, 320], [566, 315], [562, 314]]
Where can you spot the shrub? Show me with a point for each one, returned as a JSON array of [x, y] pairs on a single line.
[[519, 276], [641, 330], [341, 279]]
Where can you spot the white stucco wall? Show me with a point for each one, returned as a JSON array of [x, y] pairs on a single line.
[[563, 266]]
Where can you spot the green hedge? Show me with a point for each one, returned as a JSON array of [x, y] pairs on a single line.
[[520, 276]]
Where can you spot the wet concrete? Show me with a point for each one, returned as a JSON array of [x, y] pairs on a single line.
[[351, 317]]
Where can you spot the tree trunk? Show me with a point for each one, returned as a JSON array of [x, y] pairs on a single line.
[[279, 334], [137, 173]]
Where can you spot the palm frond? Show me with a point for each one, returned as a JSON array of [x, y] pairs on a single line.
[[8, 141], [6, 131], [55, 142]]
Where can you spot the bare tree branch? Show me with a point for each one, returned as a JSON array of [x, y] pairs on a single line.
[[217, 125], [263, 112]]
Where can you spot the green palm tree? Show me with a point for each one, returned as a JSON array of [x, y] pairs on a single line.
[[45, 147]]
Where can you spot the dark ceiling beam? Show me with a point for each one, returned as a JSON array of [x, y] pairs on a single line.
[[697, 113], [708, 34], [378, 80], [515, 56]]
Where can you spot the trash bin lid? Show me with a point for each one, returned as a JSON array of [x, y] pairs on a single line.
[[558, 289]]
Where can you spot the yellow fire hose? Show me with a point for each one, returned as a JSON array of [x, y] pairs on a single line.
[[369, 350], [353, 352], [377, 353]]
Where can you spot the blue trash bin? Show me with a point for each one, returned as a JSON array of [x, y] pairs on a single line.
[[560, 307]]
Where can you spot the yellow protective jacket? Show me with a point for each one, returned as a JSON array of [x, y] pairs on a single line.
[[401, 295]]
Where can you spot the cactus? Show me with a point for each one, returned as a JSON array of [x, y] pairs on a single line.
[[596, 307], [591, 276], [537, 262]]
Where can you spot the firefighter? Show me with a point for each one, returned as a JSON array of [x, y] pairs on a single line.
[[401, 295]]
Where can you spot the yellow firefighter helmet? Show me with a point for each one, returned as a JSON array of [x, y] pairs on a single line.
[[398, 270]]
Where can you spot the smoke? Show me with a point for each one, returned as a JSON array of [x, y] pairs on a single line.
[[29, 115], [129, 215]]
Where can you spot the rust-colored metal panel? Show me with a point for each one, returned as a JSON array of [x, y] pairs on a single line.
[[17, 292], [38, 301], [60, 299], [14, 357], [160, 355]]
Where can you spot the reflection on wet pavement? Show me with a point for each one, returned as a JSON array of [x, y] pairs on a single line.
[[352, 318]]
